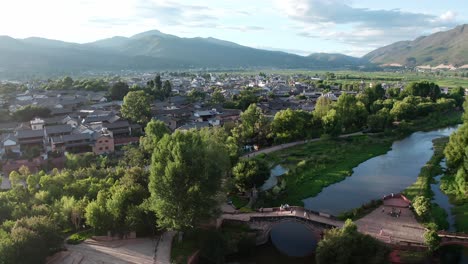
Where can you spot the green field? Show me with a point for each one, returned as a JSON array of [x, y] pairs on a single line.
[[443, 79]]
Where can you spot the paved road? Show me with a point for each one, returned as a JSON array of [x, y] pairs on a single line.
[[381, 225], [292, 144], [163, 251], [132, 251]]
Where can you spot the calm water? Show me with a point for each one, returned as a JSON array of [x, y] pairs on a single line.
[[293, 239], [290, 242], [448, 254], [271, 182], [384, 174]]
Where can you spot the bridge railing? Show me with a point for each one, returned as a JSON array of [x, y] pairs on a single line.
[[291, 217], [297, 209]]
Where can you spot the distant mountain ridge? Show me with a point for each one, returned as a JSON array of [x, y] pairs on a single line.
[[446, 47], [152, 50]]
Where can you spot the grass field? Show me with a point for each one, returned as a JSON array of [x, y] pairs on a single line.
[[446, 79]]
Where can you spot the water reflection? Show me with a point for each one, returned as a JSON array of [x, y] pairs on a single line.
[[293, 239], [384, 174], [271, 182]]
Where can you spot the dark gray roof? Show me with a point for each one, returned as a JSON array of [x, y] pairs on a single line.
[[58, 129], [28, 133], [196, 125], [117, 124], [72, 137], [8, 126]]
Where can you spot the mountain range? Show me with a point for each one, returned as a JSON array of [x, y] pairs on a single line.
[[154, 50], [445, 47]]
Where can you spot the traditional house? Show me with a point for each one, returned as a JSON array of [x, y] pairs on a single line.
[[29, 138], [56, 131], [103, 142], [37, 124]]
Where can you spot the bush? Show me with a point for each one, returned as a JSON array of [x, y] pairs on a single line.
[[77, 238]]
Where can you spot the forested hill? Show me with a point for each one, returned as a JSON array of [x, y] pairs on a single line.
[[446, 47], [151, 50]]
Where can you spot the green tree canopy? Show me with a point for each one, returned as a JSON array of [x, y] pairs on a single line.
[[118, 90], [348, 246], [249, 173], [186, 173], [322, 106], [154, 131], [254, 126], [422, 205], [136, 107], [27, 113], [291, 125], [423, 89]]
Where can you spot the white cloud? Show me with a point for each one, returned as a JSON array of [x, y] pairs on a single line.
[[338, 20]]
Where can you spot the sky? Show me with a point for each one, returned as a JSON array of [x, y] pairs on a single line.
[[352, 27]]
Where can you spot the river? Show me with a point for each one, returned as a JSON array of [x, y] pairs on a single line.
[[384, 174], [448, 254], [388, 173]]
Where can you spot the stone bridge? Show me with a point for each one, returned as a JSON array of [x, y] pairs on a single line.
[[448, 238], [266, 218], [403, 231]]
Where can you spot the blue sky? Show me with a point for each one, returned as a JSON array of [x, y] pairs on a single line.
[[352, 27]]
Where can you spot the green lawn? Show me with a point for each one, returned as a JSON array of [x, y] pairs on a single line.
[[422, 186], [316, 165]]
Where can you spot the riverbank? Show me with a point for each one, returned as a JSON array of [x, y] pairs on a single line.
[[458, 199], [316, 165], [422, 186]]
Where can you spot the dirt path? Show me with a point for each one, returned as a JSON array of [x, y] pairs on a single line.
[[138, 251], [292, 144], [163, 251]]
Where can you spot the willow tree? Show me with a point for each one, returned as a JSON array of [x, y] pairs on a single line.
[[186, 175]]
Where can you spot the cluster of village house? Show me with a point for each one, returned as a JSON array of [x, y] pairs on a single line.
[[84, 121]]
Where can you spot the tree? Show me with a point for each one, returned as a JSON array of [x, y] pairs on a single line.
[[96, 213], [136, 107], [217, 97], [154, 131], [432, 239], [289, 125], [348, 246], [157, 83], [458, 94], [29, 112], [423, 89], [402, 110], [249, 173], [186, 173], [331, 123], [166, 89], [455, 151], [422, 205], [352, 114], [67, 82], [374, 93], [253, 127], [380, 120], [118, 90], [195, 95], [323, 105]]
